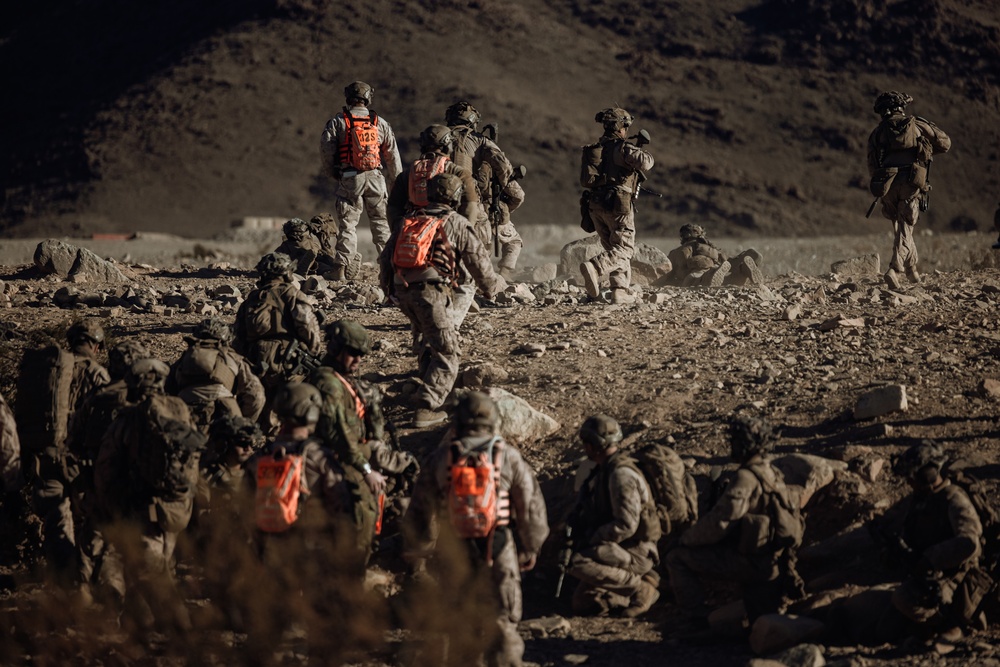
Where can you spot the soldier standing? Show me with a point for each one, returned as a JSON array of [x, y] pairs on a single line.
[[485, 561], [213, 379], [698, 262], [357, 144], [423, 278], [735, 539], [612, 171], [615, 527], [942, 534], [900, 151], [274, 317]]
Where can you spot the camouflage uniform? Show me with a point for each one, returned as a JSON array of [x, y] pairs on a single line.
[[731, 541], [273, 317], [907, 153], [611, 205], [427, 535], [426, 298], [698, 262], [215, 380], [359, 191], [943, 535], [305, 249], [511, 198]]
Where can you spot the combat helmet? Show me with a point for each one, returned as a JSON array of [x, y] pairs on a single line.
[[229, 432], [274, 264], [436, 138], [123, 355], [476, 411], [601, 431], [462, 113], [749, 436], [692, 231], [445, 189], [890, 101], [147, 376], [295, 229], [359, 91], [214, 328], [86, 330], [298, 403], [921, 455], [614, 118], [349, 334]]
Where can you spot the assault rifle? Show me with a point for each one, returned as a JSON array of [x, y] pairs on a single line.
[[564, 557], [925, 198], [299, 361]]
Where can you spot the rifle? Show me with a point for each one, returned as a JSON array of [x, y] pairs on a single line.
[[564, 557], [925, 198], [299, 361], [650, 192], [871, 208]]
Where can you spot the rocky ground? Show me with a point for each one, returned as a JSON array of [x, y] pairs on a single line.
[[803, 350]]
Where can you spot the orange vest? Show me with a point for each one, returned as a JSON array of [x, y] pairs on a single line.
[[360, 148]]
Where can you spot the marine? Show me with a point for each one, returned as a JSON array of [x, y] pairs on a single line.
[[699, 262]]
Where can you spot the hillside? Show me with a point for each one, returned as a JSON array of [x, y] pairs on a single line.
[[185, 116]]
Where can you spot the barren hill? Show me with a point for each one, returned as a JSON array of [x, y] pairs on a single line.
[[184, 115]]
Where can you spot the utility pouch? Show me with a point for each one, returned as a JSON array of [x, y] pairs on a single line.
[[882, 180], [918, 176], [586, 222]]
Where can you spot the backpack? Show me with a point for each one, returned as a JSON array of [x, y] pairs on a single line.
[[44, 393], [204, 364], [672, 486], [787, 526], [421, 173], [165, 450], [279, 489], [263, 314], [590, 166], [423, 244], [462, 153], [476, 504], [361, 147], [899, 136]]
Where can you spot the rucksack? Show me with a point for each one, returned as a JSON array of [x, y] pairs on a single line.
[[900, 135], [462, 153], [672, 486], [423, 244], [787, 527], [44, 398], [277, 502], [204, 364], [421, 173], [361, 147], [165, 451], [476, 504], [590, 165], [264, 314]]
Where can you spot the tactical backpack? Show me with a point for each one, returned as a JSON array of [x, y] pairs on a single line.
[[44, 398], [204, 364], [476, 503], [264, 313], [672, 485], [590, 166], [278, 501], [361, 148], [787, 527], [421, 173], [462, 153], [165, 450], [423, 244]]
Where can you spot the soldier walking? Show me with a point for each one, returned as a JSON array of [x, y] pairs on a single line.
[[900, 151]]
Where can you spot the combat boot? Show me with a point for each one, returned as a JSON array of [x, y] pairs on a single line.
[[621, 295], [591, 279], [912, 274], [748, 267], [642, 600], [425, 417], [717, 276], [507, 273], [892, 279]]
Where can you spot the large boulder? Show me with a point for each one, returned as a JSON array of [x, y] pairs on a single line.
[[69, 261], [865, 265], [807, 473], [518, 420]]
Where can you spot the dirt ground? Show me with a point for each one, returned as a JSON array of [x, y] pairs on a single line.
[[669, 371]]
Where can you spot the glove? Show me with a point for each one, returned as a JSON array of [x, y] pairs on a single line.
[[642, 139]]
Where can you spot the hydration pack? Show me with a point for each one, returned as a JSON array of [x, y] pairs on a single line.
[[423, 244], [476, 504], [671, 484], [279, 490], [44, 398], [361, 147]]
